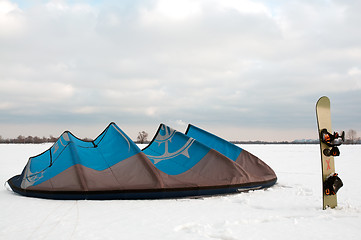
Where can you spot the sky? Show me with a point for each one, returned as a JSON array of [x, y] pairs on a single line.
[[241, 69]]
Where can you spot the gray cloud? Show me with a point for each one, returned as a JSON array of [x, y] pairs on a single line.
[[247, 64]]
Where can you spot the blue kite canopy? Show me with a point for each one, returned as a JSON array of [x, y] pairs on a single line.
[[171, 151], [113, 167], [212, 141]]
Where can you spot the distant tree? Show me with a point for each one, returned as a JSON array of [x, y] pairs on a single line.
[[351, 136], [86, 139], [52, 138], [142, 137], [29, 139], [37, 140], [20, 139]]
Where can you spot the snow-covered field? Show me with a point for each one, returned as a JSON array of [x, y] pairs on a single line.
[[292, 209]]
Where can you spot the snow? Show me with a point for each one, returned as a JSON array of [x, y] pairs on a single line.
[[292, 209]]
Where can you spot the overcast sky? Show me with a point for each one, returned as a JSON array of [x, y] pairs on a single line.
[[242, 69]]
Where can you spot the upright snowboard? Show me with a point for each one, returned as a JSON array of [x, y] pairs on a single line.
[[328, 146]]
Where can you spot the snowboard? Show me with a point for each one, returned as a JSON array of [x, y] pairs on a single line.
[[329, 149]]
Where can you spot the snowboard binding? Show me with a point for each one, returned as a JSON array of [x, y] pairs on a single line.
[[331, 152], [332, 184], [332, 140]]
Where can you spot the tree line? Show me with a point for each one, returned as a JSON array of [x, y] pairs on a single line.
[[142, 138], [28, 139], [351, 138]]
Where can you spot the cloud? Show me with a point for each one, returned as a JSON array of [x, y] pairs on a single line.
[[249, 63], [11, 19]]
